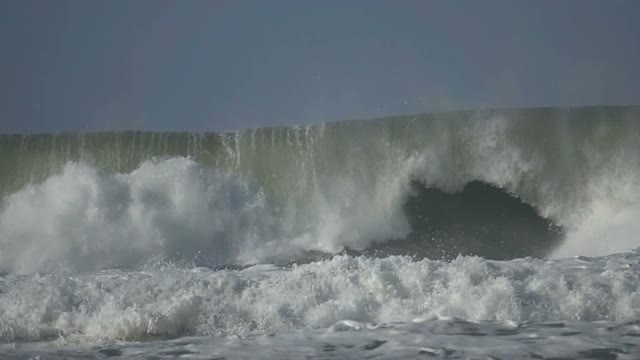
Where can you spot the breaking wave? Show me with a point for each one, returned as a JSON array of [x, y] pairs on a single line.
[[499, 184]]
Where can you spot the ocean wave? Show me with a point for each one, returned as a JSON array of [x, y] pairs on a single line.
[[557, 182]]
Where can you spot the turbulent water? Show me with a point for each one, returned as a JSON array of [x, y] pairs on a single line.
[[484, 234]]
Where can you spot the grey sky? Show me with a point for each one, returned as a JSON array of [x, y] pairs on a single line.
[[223, 65]]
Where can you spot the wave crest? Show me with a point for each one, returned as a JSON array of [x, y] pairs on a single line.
[[274, 195]]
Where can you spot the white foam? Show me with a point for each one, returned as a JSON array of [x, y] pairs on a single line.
[[609, 219], [343, 293], [82, 220]]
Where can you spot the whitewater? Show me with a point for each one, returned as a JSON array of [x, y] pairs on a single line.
[[506, 233]]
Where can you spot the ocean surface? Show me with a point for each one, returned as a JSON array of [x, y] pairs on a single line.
[[493, 234]]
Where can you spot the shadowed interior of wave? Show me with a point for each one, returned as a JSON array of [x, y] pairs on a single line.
[[481, 220]]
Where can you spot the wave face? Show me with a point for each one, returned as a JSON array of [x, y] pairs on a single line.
[[496, 183]]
